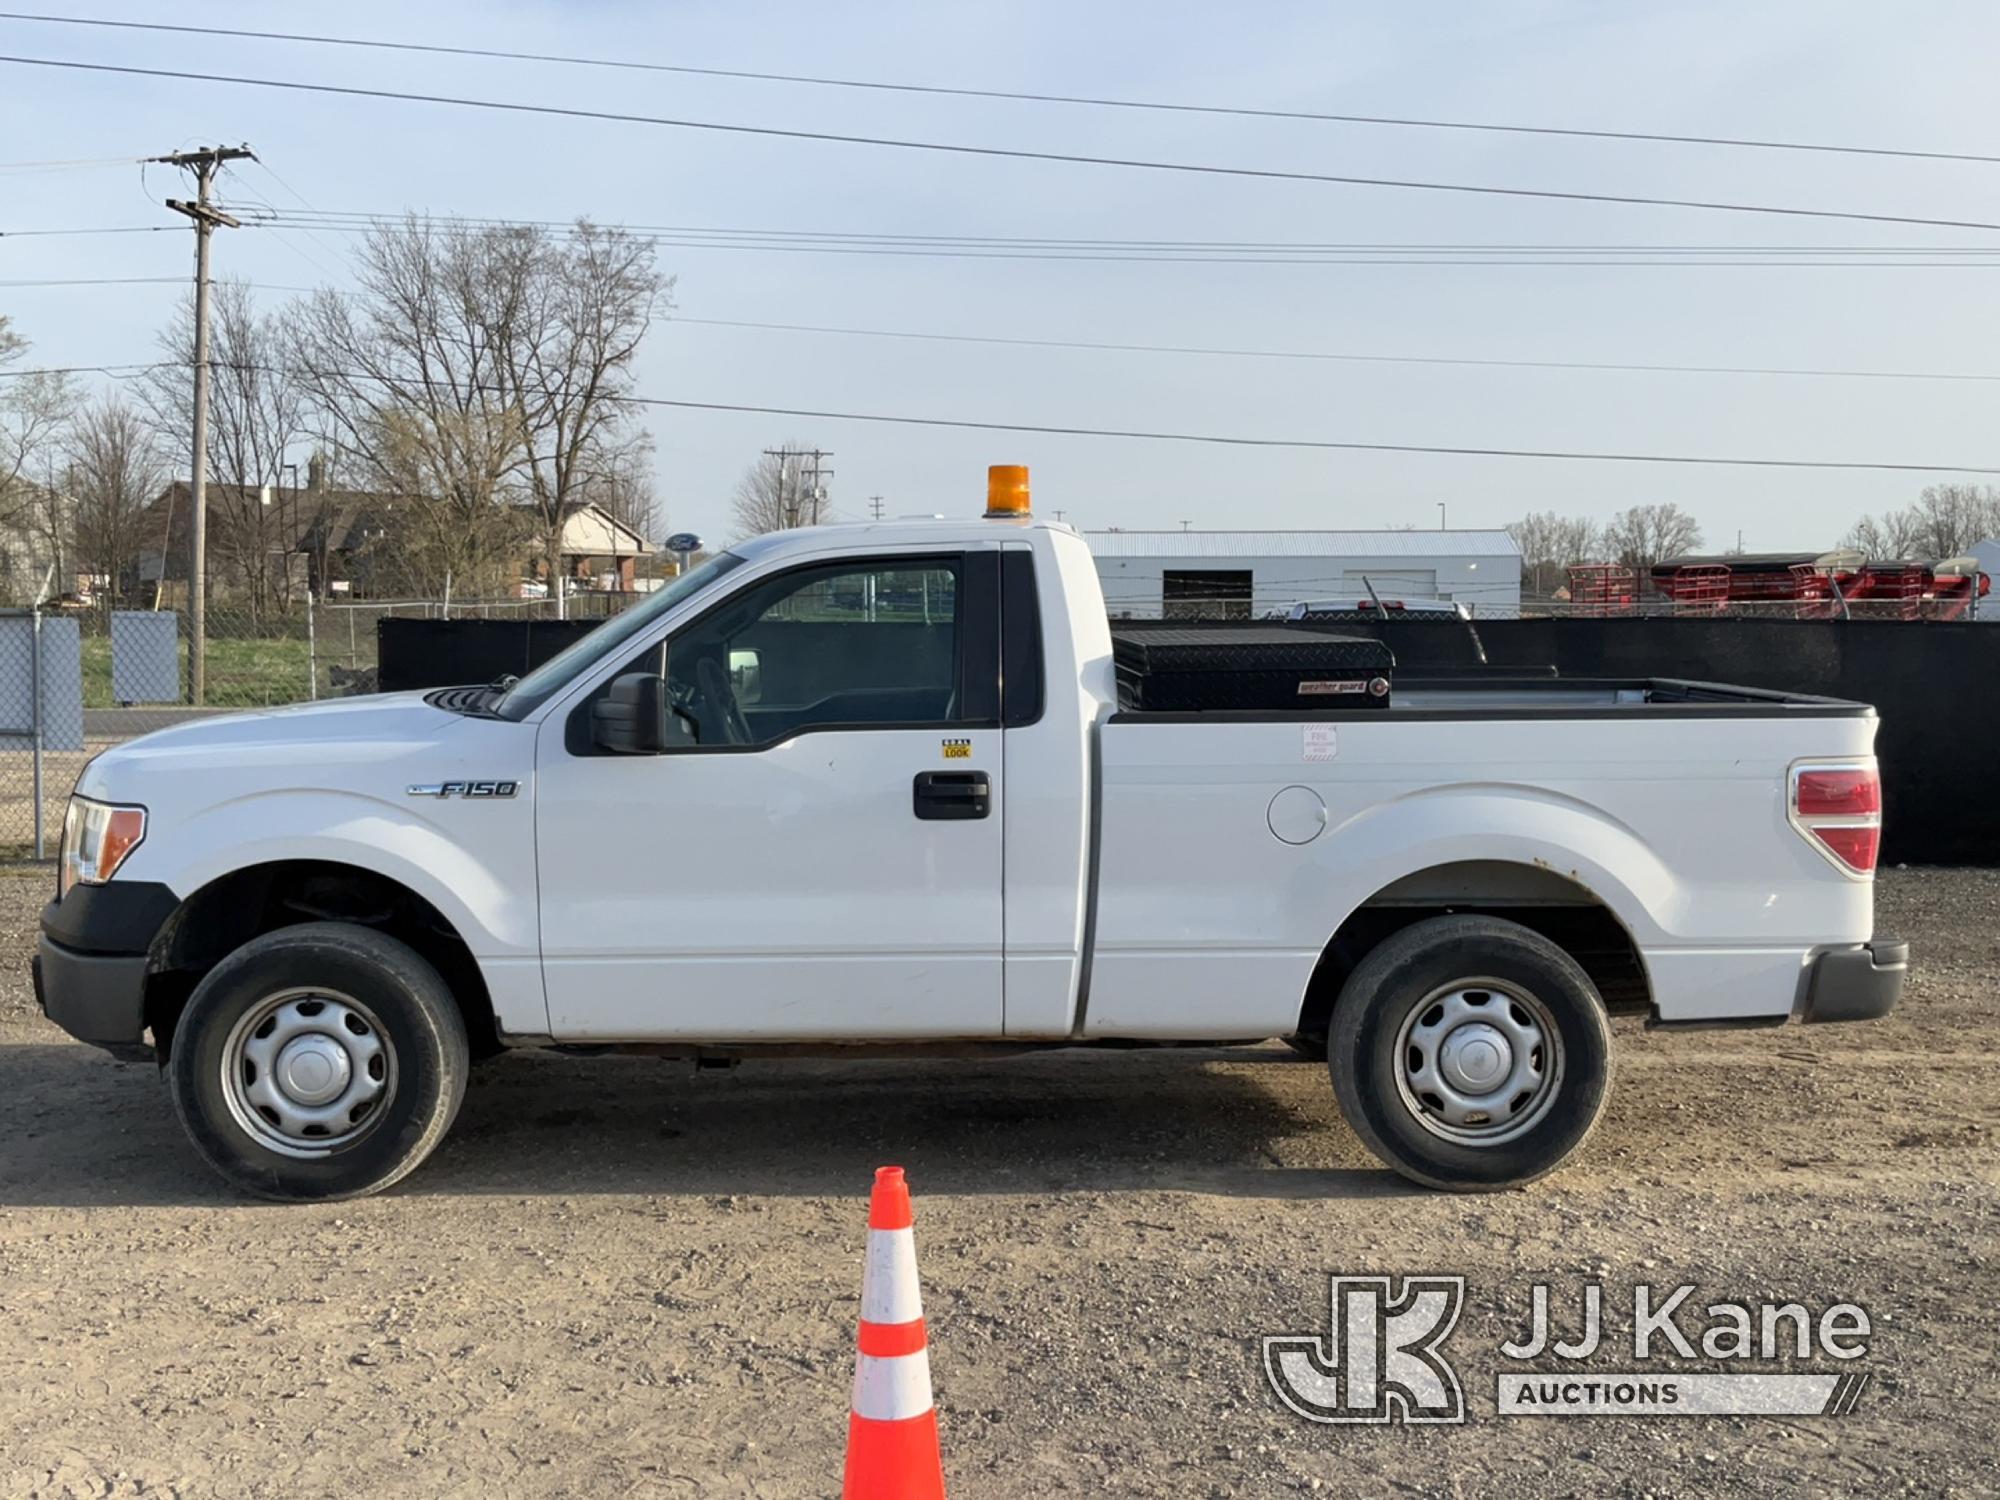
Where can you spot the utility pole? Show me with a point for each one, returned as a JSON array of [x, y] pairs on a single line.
[[1441, 525], [205, 164], [816, 478], [801, 490], [875, 506]]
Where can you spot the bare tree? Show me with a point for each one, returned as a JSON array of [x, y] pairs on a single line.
[[35, 410], [1645, 534], [626, 490], [257, 418], [1549, 543], [775, 494], [34, 405], [1890, 535], [422, 537], [588, 300], [1947, 519], [1944, 521], [411, 374], [114, 471]]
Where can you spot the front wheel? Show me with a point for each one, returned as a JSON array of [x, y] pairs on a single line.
[[1470, 1053], [317, 1062]]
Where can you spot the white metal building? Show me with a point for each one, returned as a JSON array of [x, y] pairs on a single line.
[[1988, 553], [1248, 574]]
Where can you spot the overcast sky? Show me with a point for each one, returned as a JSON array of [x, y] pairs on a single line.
[[1913, 75]]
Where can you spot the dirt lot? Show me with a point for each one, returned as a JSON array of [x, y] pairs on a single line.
[[620, 1278]]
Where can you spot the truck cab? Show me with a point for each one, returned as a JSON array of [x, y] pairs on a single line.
[[872, 786]]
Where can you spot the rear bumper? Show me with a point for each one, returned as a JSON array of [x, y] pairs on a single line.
[[1856, 984], [91, 963]]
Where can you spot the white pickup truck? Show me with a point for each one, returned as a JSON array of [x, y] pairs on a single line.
[[871, 787]]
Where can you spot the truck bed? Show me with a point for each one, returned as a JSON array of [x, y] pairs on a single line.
[[1231, 843]]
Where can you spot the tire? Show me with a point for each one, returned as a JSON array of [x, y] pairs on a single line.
[[346, 1063], [1441, 1082]]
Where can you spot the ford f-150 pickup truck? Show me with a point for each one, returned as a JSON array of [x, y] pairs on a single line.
[[872, 787]]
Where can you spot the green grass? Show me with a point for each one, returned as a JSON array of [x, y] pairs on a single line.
[[241, 673]]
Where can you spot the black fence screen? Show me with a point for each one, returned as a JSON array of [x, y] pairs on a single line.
[[1935, 684]]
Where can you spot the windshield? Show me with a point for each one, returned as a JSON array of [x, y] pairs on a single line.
[[525, 696]]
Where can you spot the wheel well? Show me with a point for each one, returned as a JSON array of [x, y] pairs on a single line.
[[228, 912], [1560, 909]]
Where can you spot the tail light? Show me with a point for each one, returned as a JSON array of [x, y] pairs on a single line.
[[1839, 810]]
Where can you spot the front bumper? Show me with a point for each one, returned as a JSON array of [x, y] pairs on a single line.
[[91, 963], [1856, 984]]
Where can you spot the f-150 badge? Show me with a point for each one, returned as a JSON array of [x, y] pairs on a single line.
[[466, 789]]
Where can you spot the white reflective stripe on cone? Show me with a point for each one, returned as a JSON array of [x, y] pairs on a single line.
[[892, 1389], [889, 1278]]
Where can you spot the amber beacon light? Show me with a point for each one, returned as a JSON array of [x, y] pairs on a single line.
[[1007, 490]]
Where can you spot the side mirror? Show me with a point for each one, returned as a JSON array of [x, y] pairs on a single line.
[[746, 676], [635, 717]]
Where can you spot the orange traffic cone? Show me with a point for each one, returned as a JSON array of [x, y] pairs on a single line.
[[892, 1435]]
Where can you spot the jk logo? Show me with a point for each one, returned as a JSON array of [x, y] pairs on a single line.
[[1380, 1359]]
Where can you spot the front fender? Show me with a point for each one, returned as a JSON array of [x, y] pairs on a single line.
[[473, 861]]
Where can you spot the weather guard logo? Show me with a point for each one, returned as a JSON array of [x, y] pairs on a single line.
[[1380, 1360]]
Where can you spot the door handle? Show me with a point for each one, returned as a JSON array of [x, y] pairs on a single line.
[[950, 795]]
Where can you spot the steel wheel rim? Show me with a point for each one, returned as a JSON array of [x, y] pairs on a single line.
[[308, 1072], [1479, 1062]]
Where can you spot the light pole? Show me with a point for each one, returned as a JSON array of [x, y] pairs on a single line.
[[1441, 525]]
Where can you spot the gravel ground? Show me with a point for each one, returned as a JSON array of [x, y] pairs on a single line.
[[617, 1277]]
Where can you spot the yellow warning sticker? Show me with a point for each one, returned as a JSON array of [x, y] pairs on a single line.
[[958, 749]]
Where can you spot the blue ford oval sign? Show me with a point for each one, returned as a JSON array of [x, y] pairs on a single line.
[[684, 541]]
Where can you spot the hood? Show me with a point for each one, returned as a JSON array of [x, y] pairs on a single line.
[[295, 743]]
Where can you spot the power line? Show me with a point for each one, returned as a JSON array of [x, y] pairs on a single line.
[[371, 217], [1314, 443], [1208, 350], [1020, 96], [100, 281], [263, 215], [1267, 174], [267, 286], [1227, 440], [73, 164], [111, 370], [16, 234], [805, 242], [1306, 354]]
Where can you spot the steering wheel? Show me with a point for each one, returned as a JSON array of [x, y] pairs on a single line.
[[715, 689]]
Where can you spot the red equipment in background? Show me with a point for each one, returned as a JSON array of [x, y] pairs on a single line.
[[1603, 589]]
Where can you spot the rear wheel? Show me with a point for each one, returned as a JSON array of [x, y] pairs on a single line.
[[1470, 1053], [320, 1061]]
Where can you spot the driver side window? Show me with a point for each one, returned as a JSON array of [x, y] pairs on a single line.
[[859, 644]]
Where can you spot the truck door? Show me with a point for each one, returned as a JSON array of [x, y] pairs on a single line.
[[822, 860]]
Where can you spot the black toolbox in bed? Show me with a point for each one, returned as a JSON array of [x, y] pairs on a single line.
[[1189, 669]]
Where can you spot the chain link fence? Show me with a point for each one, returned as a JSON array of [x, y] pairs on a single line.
[[74, 682]]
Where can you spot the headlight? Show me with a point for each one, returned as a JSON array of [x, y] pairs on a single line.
[[96, 837]]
